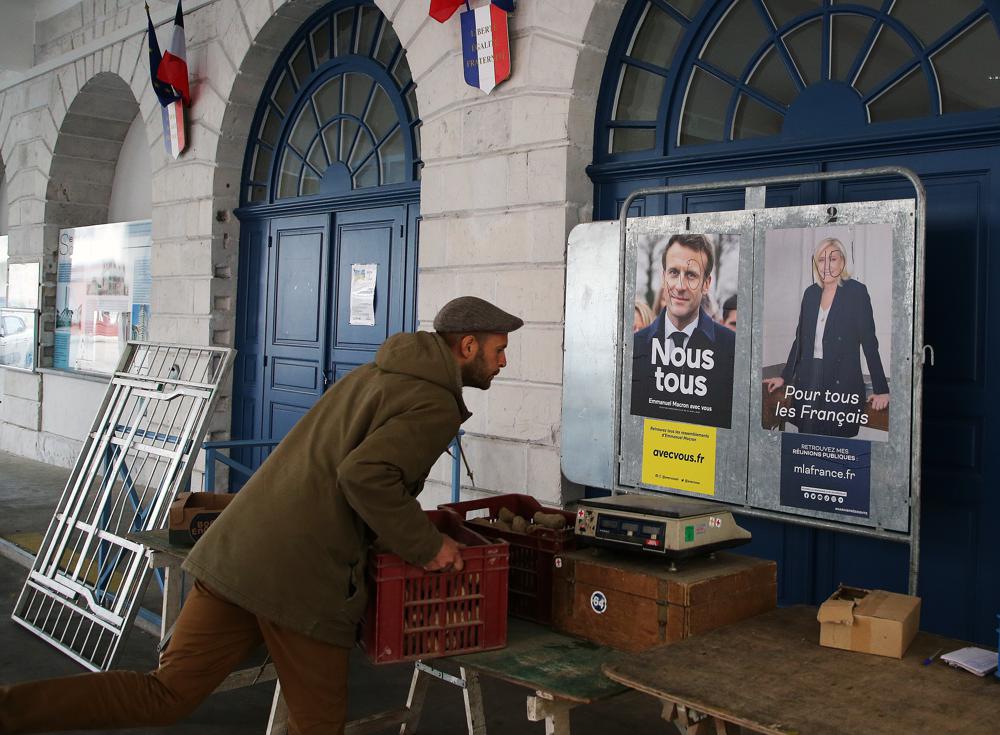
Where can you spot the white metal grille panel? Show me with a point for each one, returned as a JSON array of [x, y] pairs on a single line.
[[87, 580]]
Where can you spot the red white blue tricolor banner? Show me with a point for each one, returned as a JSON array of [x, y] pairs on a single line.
[[485, 47], [173, 128], [173, 68], [169, 77], [441, 10]]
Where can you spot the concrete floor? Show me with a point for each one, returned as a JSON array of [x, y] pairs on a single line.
[[29, 491]]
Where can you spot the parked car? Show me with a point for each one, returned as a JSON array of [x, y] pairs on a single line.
[[16, 341]]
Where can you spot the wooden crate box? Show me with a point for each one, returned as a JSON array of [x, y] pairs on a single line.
[[634, 602]]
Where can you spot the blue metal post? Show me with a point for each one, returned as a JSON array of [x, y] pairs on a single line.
[[456, 467], [209, 479]]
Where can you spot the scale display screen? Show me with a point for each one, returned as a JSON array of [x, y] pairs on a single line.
[[630, 530]]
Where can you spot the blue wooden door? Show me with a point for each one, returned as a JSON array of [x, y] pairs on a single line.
[[248, 367], [334, 141], [727, 89], [959, 505], [297, 311], [308, 338], [367, 237]]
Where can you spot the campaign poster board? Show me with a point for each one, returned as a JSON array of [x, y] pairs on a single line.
[[103, 294], [847, 471], [685, 372], [831, 403]]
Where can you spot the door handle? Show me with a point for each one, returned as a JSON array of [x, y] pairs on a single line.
[[326, 378]]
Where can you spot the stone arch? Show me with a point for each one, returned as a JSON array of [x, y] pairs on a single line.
[[247, 46], [86, 152], [254, 42], [247, 50], [82, 170], [597, 36], [251, 41]]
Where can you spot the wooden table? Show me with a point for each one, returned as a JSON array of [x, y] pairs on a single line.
[[769, 674], [564, 672]]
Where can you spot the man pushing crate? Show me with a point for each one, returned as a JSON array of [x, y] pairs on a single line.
[[284, 564]]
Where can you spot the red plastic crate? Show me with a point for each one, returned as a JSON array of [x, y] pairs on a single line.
[[531, 554], [413, 614]]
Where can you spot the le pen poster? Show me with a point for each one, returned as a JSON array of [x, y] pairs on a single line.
[[827, 331]]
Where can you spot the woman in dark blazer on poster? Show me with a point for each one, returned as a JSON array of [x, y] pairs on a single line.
[[835, 320]]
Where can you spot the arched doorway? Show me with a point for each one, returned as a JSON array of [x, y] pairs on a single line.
[[330, 183], [726, 89]]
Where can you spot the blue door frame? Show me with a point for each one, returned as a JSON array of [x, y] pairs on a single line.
[[958, 575], [958, 157], [280, 371], [330, 179]]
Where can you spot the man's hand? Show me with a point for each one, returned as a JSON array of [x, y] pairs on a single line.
[[449, 557]]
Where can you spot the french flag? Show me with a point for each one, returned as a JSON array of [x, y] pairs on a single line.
[[170, 85], [485, 47], [441, 10], [174, 67]]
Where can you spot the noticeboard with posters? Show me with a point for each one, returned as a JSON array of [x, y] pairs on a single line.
[[103, 286], [765, 359]]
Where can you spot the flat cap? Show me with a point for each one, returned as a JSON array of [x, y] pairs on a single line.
[[471, 314]]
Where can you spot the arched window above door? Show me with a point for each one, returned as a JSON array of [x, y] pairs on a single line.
[[339, 112], [751, 69]]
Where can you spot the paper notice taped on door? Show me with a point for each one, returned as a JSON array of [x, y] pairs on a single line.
[[363, 294]]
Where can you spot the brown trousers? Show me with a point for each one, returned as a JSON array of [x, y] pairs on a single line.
[[211, 638]]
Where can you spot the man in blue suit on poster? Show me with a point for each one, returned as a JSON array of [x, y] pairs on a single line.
[[682, 363]]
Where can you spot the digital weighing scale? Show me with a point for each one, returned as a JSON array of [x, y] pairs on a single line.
[[671, 526]]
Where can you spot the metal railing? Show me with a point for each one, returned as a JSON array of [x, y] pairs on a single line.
[[213, 454]]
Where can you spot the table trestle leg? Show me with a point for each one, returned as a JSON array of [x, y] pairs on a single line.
[[277, 722], [555, 714], [691, 722], [415, 701], [475, 717]]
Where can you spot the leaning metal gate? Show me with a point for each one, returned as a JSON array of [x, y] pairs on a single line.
[[84, 588]]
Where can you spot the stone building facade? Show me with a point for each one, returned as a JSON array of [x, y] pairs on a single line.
[[502, 184], [606, 97]]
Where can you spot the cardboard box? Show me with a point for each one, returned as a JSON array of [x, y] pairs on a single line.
[[869, 621], [633, 602], [191, 515]]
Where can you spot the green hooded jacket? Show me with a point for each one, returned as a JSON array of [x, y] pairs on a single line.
[[292, 545]]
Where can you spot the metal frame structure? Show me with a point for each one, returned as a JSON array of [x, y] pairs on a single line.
[[85, 586], [755, 192]]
